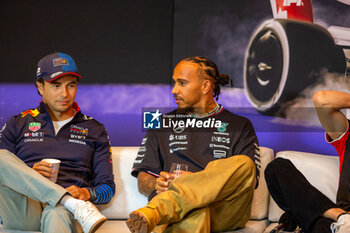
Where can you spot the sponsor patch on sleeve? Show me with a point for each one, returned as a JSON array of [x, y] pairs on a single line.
[[33, 112]]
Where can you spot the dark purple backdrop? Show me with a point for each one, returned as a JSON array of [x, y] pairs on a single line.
[[119, 108]]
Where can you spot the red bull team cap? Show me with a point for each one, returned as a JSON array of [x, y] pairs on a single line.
[[56, 65]]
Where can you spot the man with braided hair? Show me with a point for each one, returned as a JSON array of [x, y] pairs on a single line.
[[223, 161]]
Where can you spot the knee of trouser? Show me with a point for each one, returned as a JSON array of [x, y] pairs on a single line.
[[274, 167], [4, 158], [247, 163], [58, 214], [4, 154], [246, 168]]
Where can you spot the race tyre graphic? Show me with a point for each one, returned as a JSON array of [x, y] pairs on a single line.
[[283, 58]]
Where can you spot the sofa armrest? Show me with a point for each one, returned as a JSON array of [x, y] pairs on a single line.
[[261, 194]]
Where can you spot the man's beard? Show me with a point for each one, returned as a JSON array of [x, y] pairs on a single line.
[[185, 110], [188, 109]]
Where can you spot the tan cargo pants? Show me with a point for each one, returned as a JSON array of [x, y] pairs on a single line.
[[213, 200]]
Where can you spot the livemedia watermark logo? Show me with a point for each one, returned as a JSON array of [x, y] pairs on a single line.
[[155, 119]]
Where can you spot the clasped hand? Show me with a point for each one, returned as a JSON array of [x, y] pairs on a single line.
[[164, 180]]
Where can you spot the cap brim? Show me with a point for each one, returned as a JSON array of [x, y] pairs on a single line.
[[48, 79]]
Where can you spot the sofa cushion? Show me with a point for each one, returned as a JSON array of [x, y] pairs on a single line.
[[127, 198], [321, 171], [271, 226], [119, 226], [253, 226], [114, 226]]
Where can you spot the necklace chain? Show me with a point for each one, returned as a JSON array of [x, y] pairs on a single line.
[[215, 110]]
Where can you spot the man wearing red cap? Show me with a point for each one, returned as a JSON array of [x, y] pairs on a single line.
[[56, 129]]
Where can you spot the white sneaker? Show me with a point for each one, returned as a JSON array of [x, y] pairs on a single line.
[[342, 225], [88, 216]]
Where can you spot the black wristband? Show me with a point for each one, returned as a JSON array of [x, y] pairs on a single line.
[[93, 196], [153, 194]]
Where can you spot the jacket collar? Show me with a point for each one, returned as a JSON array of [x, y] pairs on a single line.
[[43, 109]]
